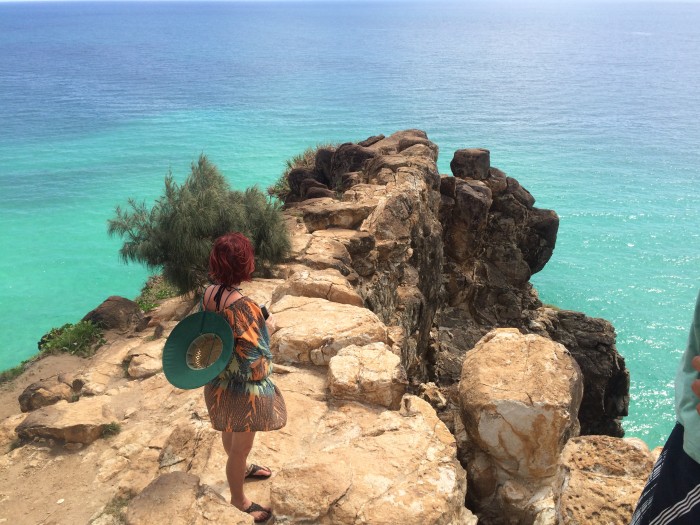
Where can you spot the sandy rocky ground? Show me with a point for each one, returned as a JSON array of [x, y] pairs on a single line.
[[166, 430]]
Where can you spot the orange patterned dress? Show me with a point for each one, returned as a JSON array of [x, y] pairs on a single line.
[[243, 397]]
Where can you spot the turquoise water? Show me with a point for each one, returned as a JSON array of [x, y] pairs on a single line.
[[592, 107]]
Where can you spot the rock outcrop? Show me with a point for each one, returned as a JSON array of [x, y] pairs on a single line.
[[370, 373], [69, 422], [116, 313], [519, 399], [444, 259], [600, 479], [397, 277], [312, 330], [49, 391]]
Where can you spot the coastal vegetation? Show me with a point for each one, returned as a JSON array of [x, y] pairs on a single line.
[[81, 339], [175, 235], [155, 290], [306, 159], [116, 508], [10, 374], [111, 429]]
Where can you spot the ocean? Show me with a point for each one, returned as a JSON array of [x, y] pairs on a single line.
[[593, 107]]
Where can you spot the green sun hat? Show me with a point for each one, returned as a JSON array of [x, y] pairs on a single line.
[[197, 350]]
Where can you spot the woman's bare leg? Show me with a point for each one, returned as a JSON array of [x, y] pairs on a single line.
[[226, 439], [237, 446]]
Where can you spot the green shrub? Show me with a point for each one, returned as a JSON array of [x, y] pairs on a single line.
[[81, 339], [175, 235], [155, 290], [280, 189], [111, 429], [306, 159]]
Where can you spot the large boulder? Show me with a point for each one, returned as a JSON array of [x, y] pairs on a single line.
[[145, 360], [324, 252], [348, 158], [600, 479], [80, 422], [313, 330], [49, 391], [471, 163], [519, 397], [116, 313], [368, 374]]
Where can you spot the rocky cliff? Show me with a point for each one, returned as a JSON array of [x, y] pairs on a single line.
[[444, 259], [425, 382]]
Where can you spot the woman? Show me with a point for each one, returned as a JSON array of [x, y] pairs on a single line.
[[242, 400]]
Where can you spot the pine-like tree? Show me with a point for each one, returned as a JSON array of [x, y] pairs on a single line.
[[175, 236]]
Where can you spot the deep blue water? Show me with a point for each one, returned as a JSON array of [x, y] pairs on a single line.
[[593, 107]]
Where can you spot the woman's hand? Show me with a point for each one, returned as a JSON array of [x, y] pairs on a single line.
[[695, 386]]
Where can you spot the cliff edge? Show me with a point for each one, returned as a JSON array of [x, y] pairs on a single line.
[[425, 381]]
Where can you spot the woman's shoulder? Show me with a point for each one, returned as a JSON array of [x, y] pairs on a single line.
[[245, 303]]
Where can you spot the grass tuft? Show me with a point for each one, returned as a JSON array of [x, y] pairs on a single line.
[[12, 373], [81, 339], [306, 159], [155, 290], [111, 429], [116, 507]]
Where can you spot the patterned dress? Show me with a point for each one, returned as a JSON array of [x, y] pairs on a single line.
[[243, 397]]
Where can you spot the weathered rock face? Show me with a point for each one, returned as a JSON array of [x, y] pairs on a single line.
[[327, 327], [519, 397], [327, 284], [442, 260], [116, 313], [415, 481], [80, 422], [606, 379], [384, 235], [369, 374], [494, 241], [600, 479], [178, 499], [49, 391]]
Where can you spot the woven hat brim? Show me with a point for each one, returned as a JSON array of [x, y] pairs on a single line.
[[175, 366]]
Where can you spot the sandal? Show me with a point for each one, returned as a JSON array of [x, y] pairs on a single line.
[[256, 471], [254, 507]]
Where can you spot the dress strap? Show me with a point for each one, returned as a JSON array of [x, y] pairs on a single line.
[[220, 293]]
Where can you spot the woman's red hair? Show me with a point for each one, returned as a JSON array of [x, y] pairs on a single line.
[[231, 260]]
